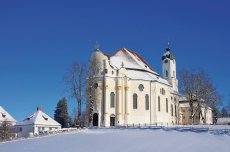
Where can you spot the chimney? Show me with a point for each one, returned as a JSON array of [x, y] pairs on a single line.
[[39, 108]]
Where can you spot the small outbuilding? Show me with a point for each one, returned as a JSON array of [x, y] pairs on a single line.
[[6, 117], [35, 124], [223, 121]]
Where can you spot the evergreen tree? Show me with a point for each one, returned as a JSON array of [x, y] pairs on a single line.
[[4, 131], [61, 113]]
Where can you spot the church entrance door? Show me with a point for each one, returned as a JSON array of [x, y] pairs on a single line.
[[95, 119], [112, 121]]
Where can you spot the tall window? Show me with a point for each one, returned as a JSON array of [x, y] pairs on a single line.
[[175, 110], [166, 73], [171, 109], [134, 101], [174, 74], [146, 102], [159, 103], [175, 106], [112, 100], [167, 105]]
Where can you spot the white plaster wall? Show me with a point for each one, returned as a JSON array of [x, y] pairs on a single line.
[[25, 130], [139, 115], [110, 87], [164, 117], [28, 130]]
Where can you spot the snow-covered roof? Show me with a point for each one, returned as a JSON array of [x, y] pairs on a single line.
[[136, 66], [5, 116], [39, 118], [225, 120], [183, 98], [129, 60], [183, 101], [135, 74]]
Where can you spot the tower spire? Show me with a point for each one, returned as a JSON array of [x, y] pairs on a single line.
[[97, 46], [168, 47]]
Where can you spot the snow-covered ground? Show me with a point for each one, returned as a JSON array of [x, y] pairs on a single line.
[[127, 140]]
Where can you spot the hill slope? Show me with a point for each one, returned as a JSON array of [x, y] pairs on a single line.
[[114, 140]]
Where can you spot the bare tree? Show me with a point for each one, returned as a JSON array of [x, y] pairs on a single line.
[[228, 104], [93, 72], [74, 117], [198, 88], [76, 83]]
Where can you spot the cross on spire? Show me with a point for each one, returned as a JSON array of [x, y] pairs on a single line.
[[97, 46], [168, 46]]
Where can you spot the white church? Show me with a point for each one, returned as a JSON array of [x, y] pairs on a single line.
[[128, 91]]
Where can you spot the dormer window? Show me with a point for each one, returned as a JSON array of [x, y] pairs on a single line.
[[45, 118], [27, 118], [3, 115]]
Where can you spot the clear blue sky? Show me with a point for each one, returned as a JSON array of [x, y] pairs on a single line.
[[39, 40]]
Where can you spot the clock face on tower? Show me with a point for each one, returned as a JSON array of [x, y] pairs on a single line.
[[166, 61]]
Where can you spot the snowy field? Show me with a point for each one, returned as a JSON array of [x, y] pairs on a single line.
[[116, 140]]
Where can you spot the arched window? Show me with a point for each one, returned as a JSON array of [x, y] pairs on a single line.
[[112, 99], [159, 103], [166, 105], [171, 109], [166, 73], [134, 101], [146, 102]]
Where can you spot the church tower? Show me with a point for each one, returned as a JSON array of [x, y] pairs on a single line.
[[169, 68]]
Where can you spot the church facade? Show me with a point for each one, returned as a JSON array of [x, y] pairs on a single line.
[[128, 91]]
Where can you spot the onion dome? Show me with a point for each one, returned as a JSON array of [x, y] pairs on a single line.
[[168, 54]]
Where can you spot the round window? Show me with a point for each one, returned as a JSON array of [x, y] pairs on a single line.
[[95, 85], [141, 87]]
